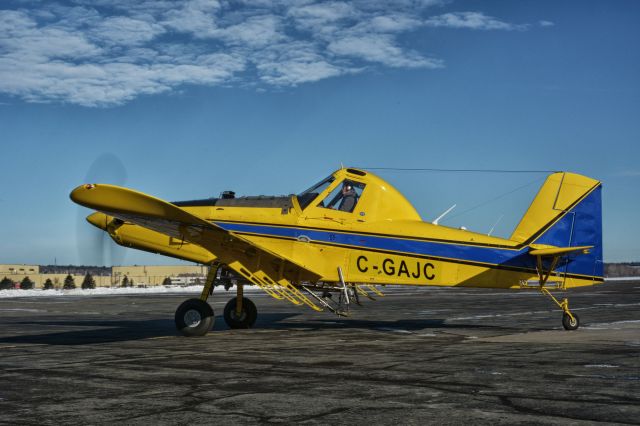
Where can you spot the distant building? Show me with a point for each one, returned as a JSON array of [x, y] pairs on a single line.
[[147, 275], [155, 274], [19, 269]]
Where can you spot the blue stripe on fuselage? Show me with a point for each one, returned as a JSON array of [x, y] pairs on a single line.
[[581, 226], [490, 255]]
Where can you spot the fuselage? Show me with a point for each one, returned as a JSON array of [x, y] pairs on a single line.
[[382, 240]]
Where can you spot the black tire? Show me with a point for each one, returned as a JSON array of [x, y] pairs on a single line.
[[194, 317], [247, 317], [570, 324]]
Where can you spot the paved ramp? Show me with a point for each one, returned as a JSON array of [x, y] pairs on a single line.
[[418, 356]]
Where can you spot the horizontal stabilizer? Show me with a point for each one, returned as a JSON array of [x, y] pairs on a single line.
[[559, 251]]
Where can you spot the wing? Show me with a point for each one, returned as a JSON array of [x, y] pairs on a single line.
[[273, 272]]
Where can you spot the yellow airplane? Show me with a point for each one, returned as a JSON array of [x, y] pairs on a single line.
[[348, 234]]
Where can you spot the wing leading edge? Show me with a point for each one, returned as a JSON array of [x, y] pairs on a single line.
[[273, 272]]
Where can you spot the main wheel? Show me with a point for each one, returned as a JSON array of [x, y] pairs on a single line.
[[245, 319], [570, 324], [194, 317]]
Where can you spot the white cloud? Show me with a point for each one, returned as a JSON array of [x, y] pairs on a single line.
[[380, 48], [14, 21], [20, 37], [322, 13], [471, 20], [125, 31], [256, 31], [107, 52], [115, 83], [394, 23], [396, 5], [295, 63], [546, 23], [323, 20], [197, 17]]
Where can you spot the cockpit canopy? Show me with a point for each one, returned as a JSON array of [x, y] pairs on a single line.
[[306, 197], [348, 193], [360, 192], [343, 197]]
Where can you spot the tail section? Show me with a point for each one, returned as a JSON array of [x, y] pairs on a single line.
[[567, 212]]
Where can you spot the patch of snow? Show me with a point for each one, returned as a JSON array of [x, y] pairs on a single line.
[[22, 310], [394, 330], [610, 325], [601, 366], [108, 291]]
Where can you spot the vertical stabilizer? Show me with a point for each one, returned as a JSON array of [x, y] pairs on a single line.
[[567, 212]]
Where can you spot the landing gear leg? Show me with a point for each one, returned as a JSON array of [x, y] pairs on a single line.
[[194, 317], [570, 321], [240, 312]]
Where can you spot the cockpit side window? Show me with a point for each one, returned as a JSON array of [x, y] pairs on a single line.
[[344, 197], [305, 198]]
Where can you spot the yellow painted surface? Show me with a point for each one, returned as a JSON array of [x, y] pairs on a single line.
[[188, 233], [559, 250], [557, 194]]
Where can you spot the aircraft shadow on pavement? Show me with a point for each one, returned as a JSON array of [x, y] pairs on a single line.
[[102, 331], [106, 331], [375, 325]]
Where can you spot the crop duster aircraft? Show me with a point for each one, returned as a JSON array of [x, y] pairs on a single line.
[[348, 234]]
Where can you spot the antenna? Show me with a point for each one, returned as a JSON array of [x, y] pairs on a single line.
[[435, 222], [495, 224]]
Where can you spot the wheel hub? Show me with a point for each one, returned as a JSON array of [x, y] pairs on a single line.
[[192, 318], [239, 317]]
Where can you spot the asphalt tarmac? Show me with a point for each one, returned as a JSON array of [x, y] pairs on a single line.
[[415, 356]]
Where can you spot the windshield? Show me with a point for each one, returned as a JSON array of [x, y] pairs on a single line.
[[306, 197], [344, 197]]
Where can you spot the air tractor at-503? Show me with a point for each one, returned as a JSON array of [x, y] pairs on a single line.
[[347, 235]]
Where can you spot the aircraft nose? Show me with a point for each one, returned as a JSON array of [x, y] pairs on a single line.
[[97, 219]]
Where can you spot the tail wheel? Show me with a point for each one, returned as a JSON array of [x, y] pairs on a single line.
[[245, 319], [570, 323], [194, 317]]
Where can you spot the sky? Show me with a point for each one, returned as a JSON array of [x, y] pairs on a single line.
[[185, 99]]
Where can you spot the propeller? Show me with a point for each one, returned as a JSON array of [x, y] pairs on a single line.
[[95, 247]]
